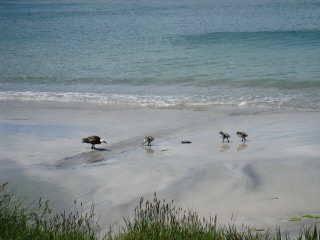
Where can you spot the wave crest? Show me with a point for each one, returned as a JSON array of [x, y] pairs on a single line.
[[248, 100]]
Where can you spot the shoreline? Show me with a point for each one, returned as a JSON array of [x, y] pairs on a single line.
[[263, 182]]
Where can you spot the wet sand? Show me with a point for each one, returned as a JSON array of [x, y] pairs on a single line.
[[263, 182]]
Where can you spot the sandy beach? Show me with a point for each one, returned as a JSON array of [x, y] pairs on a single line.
[[262, 182]]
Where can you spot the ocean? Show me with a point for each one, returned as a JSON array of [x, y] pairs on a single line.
[[162, 53]]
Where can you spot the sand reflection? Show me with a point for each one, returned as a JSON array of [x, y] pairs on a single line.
[[148, 149], [224, 147], [242, 146]]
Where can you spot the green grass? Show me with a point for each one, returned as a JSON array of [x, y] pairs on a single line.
[[309, 216], [294, 219], [158, 220], [38, 222], [153, 220]]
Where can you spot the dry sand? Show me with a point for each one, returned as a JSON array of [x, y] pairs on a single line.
[[263, 182]]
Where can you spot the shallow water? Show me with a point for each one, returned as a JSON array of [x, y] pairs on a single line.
[[162, 54]]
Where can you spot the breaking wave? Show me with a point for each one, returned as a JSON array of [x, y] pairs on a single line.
[[171, 101]]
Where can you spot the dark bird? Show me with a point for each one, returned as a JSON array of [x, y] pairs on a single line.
[[224, 136], [147, 140], [93, 140], [243, 135]]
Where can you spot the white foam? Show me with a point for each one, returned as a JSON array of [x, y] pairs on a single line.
[[250, 100]]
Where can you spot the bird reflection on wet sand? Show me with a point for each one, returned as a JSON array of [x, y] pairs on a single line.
[[224, 147], [242, 146], [148, 149]]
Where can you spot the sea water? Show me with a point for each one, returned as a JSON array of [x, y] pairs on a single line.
[[162, 53]]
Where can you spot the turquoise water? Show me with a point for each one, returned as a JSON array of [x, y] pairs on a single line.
[[162, 53]]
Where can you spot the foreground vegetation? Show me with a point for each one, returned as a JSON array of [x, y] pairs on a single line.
[[36, 221], [153, 220]]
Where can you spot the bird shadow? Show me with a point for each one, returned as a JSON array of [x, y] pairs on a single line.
[[224, 147], [148, 149], [242, 146], [101, 150], [76, 160]]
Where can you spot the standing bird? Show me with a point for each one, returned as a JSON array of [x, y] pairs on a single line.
[[93, 140], [224, 135], [148, 140], [243, 135]]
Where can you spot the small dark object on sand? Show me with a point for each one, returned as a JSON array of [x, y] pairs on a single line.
[[186, 142]]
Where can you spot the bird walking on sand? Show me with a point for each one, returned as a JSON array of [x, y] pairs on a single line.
[[224, 136], [93, 140], [243, 135], [147, 140]]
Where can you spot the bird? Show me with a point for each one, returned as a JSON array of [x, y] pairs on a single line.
[[224, 135], [243, 135], [93, 140], [148, 140]]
